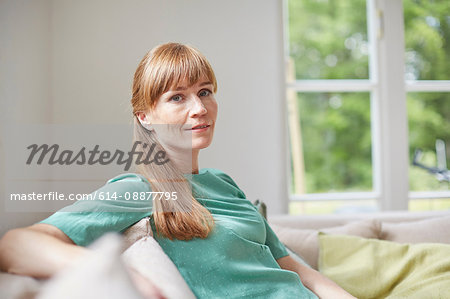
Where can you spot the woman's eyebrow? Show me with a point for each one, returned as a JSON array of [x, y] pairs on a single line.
[[206, 83], [178, 88]]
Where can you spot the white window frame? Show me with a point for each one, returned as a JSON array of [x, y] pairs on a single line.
[[389, 118]]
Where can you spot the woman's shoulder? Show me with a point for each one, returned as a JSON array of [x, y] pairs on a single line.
[[128, 176], [222, 175], [214, 171]]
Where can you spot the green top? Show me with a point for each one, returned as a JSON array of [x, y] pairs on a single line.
[[237, 259]]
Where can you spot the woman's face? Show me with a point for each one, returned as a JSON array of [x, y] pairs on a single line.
[[186, 113]]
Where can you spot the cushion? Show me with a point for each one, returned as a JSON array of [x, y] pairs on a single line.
[[332, 220], [430, 230], [18, 286], [99, 275], [369, 268], [297, 257], [149, 260], [136, 232], [305, 242]]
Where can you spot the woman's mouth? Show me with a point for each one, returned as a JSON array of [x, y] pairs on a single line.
[[200, 128]]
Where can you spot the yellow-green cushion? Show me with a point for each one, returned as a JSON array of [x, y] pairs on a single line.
[[370, 268]]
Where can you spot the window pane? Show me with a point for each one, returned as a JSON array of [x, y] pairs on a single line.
[[335, 142], [437, 204], [429, 120], [328, 39], [427, 39]]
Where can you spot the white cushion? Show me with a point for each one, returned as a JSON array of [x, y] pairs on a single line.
[[148, 258], [99, 275]]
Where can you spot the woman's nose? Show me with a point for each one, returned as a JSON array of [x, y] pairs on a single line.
[[197, 107]]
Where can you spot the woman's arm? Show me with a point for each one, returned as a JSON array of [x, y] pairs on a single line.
[[39, 250], [313, 280]]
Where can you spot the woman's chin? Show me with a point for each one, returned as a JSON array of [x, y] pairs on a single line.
[[198, 145]]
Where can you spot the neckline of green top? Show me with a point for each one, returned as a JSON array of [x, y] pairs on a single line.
[[201, 172]]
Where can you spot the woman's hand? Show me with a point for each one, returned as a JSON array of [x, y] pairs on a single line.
[[39, 250], [322, 286]]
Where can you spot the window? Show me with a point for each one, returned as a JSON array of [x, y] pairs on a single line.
[[367, 84]]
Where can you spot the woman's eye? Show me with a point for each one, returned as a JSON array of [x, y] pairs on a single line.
[[176, 98], [204, 93]]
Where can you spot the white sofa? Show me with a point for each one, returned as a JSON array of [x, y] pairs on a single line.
[[299, 233]]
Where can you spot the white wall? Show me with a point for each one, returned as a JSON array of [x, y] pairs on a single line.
[[25, 80], [79, 58]]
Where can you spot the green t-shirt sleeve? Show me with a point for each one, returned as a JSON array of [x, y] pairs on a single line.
[[277, 248], [120, 203]]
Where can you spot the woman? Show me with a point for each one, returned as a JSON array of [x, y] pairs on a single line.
[[219, 242]]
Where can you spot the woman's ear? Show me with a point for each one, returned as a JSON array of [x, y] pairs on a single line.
[[144, 120]]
